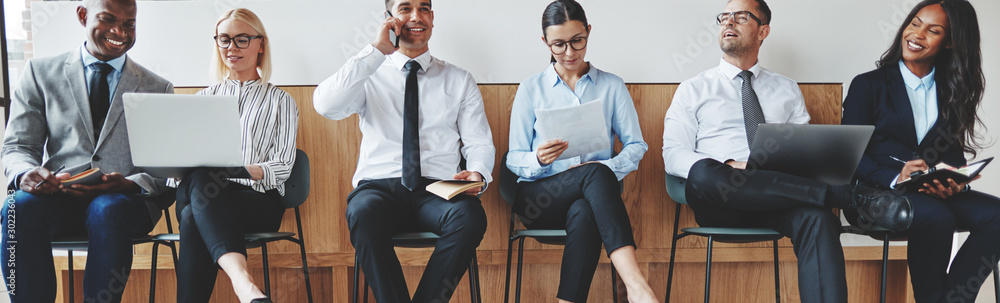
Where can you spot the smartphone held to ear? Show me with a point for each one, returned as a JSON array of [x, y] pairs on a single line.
[[392, 32]]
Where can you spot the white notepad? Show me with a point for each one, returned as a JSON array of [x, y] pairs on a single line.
[[583, 126]]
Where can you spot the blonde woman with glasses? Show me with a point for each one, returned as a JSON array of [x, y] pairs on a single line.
[[215, 210]]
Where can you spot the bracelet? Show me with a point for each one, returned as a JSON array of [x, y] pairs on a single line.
[[967, 188]]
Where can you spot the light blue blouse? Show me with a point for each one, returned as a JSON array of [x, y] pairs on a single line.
[[923, 99], [546, 90]]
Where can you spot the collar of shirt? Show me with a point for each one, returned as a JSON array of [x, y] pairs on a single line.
[[554, 78], [732, 72], [88, 59], [239, 83], [912, 81], [399, 60]]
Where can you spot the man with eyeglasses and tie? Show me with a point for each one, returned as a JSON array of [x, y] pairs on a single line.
[[68, 113], [419, 117], [708, 129]]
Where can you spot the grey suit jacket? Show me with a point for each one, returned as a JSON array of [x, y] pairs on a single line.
[[50, 124]]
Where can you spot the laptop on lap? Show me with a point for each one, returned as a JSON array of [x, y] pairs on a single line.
[[171, 135], [829, 153]]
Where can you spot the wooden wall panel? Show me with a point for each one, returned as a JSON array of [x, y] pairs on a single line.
[[742, 272]]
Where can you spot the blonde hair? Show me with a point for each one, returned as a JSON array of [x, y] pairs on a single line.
[[219, 70]]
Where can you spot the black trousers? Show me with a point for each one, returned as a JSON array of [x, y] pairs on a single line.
[[377, 209], [214, 214], [587, 202], [722, 196], [930, 242]]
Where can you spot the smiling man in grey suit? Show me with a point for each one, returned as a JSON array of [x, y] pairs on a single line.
[[68, 112]]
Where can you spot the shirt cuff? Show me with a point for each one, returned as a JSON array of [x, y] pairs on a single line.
[[16, 182], [892, 183], [481, 169], [535, 168], [269, 179]]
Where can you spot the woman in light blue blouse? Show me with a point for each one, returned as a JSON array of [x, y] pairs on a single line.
[[581, 194]]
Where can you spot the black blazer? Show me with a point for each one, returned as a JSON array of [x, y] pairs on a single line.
[[879, 98]]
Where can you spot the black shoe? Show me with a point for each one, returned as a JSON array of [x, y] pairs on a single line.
[[882, 208], [261, 300]]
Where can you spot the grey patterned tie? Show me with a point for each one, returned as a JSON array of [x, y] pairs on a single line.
[[752, 114]]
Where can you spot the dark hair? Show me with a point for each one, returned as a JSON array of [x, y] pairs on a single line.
[[959, 70], [389, 3], [765, 11], [559, 12]]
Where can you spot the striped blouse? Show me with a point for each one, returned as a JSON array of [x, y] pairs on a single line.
[[270, 121]]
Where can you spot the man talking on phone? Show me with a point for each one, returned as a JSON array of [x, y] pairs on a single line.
[[68, 113], [419, 117]]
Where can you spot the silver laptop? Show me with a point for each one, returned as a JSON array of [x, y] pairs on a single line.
[[170, 135], [829, 153]]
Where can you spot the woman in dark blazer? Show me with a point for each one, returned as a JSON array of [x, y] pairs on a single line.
[[923, 101]]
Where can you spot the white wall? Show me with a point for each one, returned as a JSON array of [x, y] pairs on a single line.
[[641, 40]]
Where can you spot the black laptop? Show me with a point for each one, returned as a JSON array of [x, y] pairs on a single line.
[[828, 153]]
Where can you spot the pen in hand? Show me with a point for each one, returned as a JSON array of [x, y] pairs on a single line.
[[897, 159], [53, 173]]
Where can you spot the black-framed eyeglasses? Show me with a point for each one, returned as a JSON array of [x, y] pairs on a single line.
[[242, 40], [559, 47], [740, 17]]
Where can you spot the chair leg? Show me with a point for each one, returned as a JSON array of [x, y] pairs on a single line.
[[520, 259], [479, 288], [305, 268], [670, 268], [69, 265], [708, 271], [506, 284], [777, 274], [885, 266], [365, 300], [474, 280], [173, 251], [267, 273], [354, 291], [673, 250], [152, 273], [614, 284]]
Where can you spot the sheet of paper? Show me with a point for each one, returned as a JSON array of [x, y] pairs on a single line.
[[968, 170], [583, 126]]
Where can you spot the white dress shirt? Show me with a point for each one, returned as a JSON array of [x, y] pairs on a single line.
[[452, 117], [705, 118]]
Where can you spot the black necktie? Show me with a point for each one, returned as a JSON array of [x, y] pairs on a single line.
[[100, 96], [752, 114], [411, 129]]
